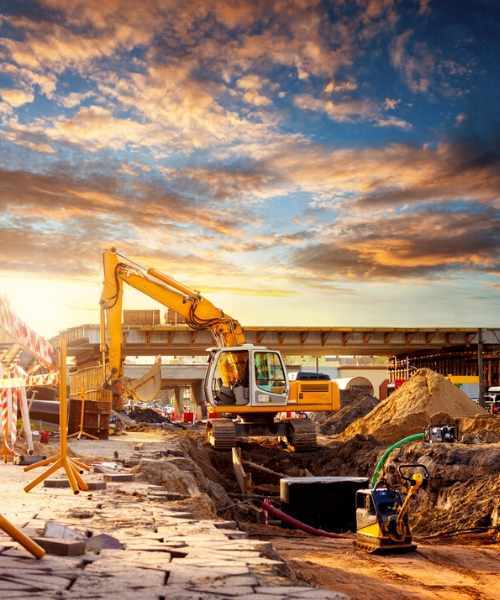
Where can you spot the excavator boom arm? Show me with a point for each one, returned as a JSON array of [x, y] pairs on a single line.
[[198, 312]]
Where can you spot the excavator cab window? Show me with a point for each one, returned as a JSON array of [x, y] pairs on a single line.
[[230, 384], [269, 372]]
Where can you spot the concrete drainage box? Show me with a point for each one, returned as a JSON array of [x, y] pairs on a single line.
[[323, 502]]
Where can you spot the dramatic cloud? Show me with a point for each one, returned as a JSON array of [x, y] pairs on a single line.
[[371, 178], [349, 110], [406, 246], [261, 141], [62, 212], [16, 97]]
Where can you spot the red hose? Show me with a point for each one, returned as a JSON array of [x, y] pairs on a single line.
[[279, 514]]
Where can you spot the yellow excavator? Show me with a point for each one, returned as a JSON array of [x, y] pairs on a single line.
[[246, 386]]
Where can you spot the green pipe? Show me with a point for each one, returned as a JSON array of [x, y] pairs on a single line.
[[382, 460]]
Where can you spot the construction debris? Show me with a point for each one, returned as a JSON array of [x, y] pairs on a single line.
[[147, 415]]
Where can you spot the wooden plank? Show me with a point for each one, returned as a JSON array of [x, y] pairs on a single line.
[[244, 479], [257, 467]]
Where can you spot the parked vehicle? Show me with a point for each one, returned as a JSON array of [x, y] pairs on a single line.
[[492, 398], [310, 376]]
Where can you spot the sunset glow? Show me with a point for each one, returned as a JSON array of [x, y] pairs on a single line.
[[301, 162]]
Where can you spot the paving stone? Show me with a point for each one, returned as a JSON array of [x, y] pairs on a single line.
[[13, 586], [96, 485], [241, 580], [46, 579], [236, 535], [238, 555], [61, 547], [224, 591], [179, 592], [257, 596], [56, 483], [119, 477], [226, 525], [182, 575], [285, 590], [23, 595], [27, 459], [148, 580], [86, 582]]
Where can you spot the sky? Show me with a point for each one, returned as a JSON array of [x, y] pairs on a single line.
[[300, 162]]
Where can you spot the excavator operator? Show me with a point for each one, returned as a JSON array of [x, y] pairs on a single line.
[[231, 383]]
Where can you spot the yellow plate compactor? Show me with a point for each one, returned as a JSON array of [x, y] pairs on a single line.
[[382, 523]]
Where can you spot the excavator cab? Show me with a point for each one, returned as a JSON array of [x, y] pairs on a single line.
[[246, 376]]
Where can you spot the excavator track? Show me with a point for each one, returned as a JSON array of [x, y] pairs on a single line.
[[301, 435], [221, 434]]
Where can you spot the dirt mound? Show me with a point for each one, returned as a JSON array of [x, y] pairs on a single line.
[[480, 429], [463, 490], [410, 408], [360, 405], [147, 415]]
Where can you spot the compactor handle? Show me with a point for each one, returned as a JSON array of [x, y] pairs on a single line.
[[412, 466]]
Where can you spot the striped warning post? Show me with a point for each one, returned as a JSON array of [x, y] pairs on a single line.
[[4, 423], [13, 417]]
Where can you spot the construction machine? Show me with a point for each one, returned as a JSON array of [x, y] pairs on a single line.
[[246, 386], [382, 513]]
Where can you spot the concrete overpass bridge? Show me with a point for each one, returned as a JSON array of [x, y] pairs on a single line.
[[179, 340], [448, 350]]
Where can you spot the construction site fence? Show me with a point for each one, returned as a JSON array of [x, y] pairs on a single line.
[[89, 382]]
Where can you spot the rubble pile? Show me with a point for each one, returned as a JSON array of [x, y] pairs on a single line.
[[147, 415], [411, 407], [185, 469]]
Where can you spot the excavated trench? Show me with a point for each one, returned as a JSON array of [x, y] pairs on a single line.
[[462, 494]]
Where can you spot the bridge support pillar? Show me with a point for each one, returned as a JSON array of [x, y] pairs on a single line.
[[177, 401], [199, 400]]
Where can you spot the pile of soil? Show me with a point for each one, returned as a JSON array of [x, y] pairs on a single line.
[[359, 406], [480, 429], [411, 407], [463, 491], [147, 415]]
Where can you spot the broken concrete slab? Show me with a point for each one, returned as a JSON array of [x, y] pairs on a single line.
[[56, 530]]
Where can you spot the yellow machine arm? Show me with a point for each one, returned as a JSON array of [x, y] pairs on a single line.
[[198, 312], [417, 480]]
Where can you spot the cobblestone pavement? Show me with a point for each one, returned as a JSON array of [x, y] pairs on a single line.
[[168, 554]]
